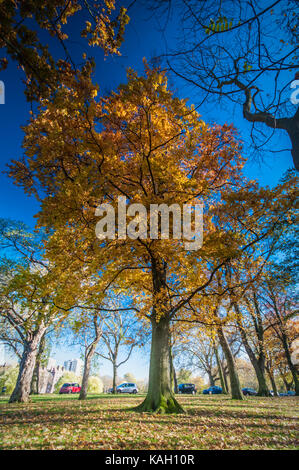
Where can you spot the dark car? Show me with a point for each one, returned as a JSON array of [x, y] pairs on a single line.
[[187, 388], [70, 388], [249, 391], [212, 390]]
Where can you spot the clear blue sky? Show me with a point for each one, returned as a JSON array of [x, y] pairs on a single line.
[[142, 39]]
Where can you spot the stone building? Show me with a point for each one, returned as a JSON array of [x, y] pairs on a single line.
[[48, 378]]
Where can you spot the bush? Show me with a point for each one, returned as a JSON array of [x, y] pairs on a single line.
[[95, 385], [9, 379]]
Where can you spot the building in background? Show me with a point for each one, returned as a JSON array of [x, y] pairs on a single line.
[[50, 374], [51, 363], [74, 365], [48, 378]]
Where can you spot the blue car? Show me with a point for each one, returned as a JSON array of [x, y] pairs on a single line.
[[290, 393], [249, 391], [212, 390]]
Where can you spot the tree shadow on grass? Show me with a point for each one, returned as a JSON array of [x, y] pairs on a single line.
[[60, 399], [76, 419], [240, 404], [62, 415]]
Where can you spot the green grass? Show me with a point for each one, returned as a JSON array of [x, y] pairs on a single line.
[[108, 422]]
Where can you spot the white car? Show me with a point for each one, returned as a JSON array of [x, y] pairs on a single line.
[[127, 388]]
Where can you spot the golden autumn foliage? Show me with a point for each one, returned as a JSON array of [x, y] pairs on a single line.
[[143, 143], [28, 29]]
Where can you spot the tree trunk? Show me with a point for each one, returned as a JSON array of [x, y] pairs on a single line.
[[211, 379], [114, 376], [36, 373], [89, 353], [160, 398], [225, 378], [263, 390], [290, 363], [34, 386], [293, 131], [291, 125], [287, 384], [86, 371], [21, 391], [220, 371], [233, 374], [271, 377], [173, 379], [257, 363]]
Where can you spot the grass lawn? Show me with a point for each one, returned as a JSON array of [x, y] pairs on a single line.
[[107, 422]]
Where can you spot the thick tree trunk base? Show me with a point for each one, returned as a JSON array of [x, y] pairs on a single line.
[[263, 393], [22, 389], [237, 397], [160, 398], [236, 392], [19, 399], [160, 404]]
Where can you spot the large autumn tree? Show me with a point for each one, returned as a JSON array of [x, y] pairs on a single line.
[[146, 145]]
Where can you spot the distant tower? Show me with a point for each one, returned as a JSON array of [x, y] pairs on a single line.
[[74, 365], [67, 365]]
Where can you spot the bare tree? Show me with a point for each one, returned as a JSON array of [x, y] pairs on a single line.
[[282, 309], [120, 332], [197, 352], [92, 334], [26, 302], [243, 53]]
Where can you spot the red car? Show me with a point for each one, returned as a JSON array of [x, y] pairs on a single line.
[[70, 388]]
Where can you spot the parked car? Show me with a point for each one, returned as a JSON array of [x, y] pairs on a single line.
[[127, 388], [70, 388], [110, 390], [212, 390], [249, 391], [187, 388], [290, 393]]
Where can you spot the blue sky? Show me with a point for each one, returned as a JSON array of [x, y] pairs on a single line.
[[142, 39]]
